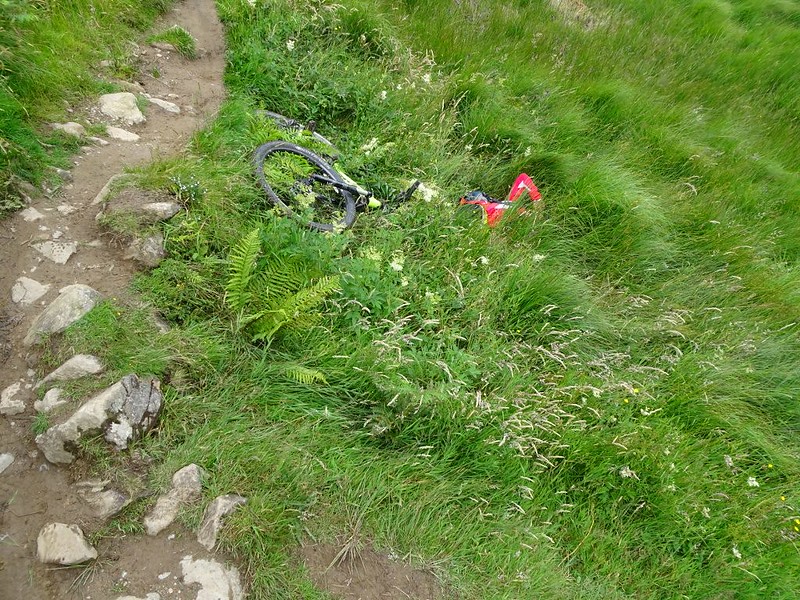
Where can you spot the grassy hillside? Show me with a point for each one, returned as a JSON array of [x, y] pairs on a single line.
[[50, 54], [596, 401]]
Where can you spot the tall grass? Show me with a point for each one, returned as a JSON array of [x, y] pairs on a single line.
[[50, 54], [596, 400]]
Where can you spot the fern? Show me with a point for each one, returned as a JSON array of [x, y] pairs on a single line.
[[305, 375], [242, 262], [292, 311], [273, 296]]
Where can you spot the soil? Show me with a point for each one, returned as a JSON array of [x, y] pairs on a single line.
[[33, 492]]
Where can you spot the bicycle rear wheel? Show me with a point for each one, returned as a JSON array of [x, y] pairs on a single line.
[[286, 172]]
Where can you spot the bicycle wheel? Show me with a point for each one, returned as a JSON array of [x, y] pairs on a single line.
[[287, 173]]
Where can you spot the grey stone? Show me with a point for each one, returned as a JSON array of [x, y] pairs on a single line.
[[6, 460], [105, 191], [150, 596], [170, 107], [217, 581], [66, 209], [30, 214], [10, 401], [73, 302], [64, 174], [122, 135], [26, 291], [104, 502], [212, 518], [58, 252], [167, 47], [52, 399], [161, 210], [186, 487], [70, 128], [76, 367], [98, 141], [148, 251], [63, 545], [124, 411], [122, 106]]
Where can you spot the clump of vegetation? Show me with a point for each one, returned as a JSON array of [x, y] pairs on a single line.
[[183, 41], [592, 401]]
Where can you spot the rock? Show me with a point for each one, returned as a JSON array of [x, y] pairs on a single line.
[[212, 518], [122, 106], [124, 411], [58, 252], [76, 367], [64, 174], [167, 47], [66, 209], [30, 214], [70, 128], [170, 107], [106, 189], [26, 291], [74, 301], [104, 502], [52, 399], [218, 583], [98, 141], [148, 251], [63, 545], [186, 487], [150, 596], [161, 211], [121, 134], [6, 460], [10, 402]]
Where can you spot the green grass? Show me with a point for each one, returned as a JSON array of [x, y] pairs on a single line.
[[49, 55], [181, 39], [598, 400]]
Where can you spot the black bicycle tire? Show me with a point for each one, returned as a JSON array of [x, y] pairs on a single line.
[[288, 123], [264, 150]]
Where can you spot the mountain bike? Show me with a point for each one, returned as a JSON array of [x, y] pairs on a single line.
[[305, 186]]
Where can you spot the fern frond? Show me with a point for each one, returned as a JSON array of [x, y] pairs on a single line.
[[241, 263], [278, 280], [293, 311], [305, 375]]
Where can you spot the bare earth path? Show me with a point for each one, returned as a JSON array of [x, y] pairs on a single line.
[[32, 491]]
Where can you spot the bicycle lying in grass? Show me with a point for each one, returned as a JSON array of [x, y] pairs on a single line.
[[305, 186]]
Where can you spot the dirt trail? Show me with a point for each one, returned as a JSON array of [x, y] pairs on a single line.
[[32, 491]]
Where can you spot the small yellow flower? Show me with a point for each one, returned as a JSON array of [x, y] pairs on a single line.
[[796, 528], [769, 466], [783, 498], [797, 521], [635, 390], [625, 400]]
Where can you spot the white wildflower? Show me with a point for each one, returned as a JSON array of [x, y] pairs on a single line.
[[404, 282], [398, 260], [468, 147], [736, 552], [729, 461], [426, 78], [428, 193], [290, 45], [706, 512], [627, 473], [370, 145], [383, 95], [483, 260], [252, 3], [751, 481], [538, 257], [672, 488]]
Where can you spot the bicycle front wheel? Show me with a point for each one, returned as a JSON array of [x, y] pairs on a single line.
[[294, 179]]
